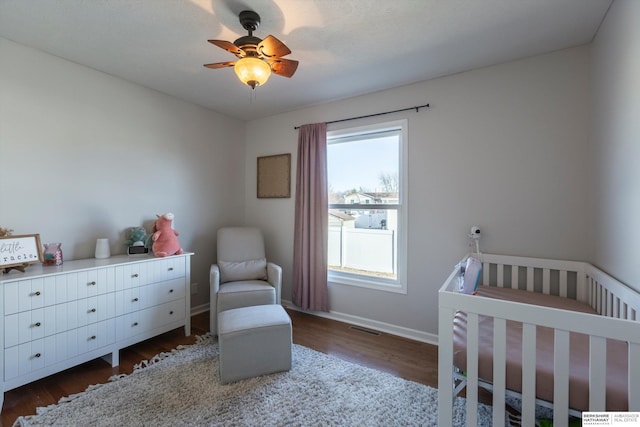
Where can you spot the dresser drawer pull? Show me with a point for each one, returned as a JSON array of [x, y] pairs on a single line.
[[35, 356], [134, 275], [36, 325], [92, 283], [170, 268], [135, 324], [170, 291], [92, 337], [134, 300], [35, 294], [171, 312], [93, 310]]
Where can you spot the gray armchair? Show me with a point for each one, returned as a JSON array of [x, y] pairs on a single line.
[[242, 277]]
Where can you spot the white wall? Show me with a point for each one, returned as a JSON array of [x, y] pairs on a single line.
[[86, 155], [616, 77], [503, 147]]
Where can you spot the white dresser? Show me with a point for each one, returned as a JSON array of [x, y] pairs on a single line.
[[54, 318]]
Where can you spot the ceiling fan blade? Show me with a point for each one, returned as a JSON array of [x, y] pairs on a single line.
[[228, 46], [271, 47], [221, 64], [283, 67]]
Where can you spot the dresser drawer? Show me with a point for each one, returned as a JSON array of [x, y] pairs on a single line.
[[143, 321], [96, 309], [128, 300], [96, 335], [133, 275], [26, 326], [162, 292], [24, 295], [95, 282], [168, 268], [24, 358], [37, 354], [164, 314], [34, 355]]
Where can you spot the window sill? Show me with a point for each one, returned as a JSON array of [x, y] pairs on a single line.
[[335, 278]]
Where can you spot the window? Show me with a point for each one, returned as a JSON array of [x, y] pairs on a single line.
[[367, 206]]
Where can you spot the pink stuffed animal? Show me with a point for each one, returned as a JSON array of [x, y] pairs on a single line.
[[165, 239]]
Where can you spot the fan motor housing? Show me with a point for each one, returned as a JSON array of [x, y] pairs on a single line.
[[249, 20], [248, 43]]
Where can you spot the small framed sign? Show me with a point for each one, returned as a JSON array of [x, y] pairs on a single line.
[[274, 176], [20, 251]]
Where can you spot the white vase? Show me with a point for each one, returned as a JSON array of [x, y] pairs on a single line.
[[102, 248]]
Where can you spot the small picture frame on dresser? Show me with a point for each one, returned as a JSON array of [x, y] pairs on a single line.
[[18, 252]]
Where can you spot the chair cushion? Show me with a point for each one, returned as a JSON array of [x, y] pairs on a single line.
[[254, 269], [240, 244], [247, 318], [244, 294]]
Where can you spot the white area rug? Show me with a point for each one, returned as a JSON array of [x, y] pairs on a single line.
[[181, 388]]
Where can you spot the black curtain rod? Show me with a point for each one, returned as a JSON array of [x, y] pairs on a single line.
[[417, 108]]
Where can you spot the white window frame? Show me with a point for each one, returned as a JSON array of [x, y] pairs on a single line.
[[398, 285]]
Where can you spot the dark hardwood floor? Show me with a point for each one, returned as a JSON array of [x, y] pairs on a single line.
[[402, 357]]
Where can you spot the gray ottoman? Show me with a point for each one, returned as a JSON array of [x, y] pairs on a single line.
[[253, 341]]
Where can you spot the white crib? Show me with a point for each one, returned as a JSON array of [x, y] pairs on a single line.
[[618, 307]]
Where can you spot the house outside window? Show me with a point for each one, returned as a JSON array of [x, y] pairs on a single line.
[[366, 170]]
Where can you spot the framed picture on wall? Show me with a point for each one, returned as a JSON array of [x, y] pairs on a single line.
[[20, 251], [274, 176]]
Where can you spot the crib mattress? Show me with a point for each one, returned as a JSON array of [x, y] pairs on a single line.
[[579, 352]]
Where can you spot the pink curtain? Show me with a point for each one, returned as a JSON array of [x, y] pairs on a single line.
[[310, 235]]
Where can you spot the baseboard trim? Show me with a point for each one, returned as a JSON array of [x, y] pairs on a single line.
[[401, 331], [199, 309]]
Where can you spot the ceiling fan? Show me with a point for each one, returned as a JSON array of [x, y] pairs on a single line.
[[257, 58]]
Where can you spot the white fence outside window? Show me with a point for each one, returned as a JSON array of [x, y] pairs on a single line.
[[362, 249]]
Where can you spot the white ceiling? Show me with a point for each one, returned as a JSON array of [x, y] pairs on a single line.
[[345, 47]]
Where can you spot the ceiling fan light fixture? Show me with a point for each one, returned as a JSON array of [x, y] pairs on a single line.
[[257, 58], [252, 71]]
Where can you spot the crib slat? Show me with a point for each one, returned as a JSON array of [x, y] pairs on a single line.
[[563, 283], [592, 293], [597, 373], [625, 311], [486, 267], [598, 299], [530, 283], [601, 301], [634, 377], [514, 277], [561, 378], [472, 370], [499, 370], [445, 365], [546, 281], [581, 287], [500, 275], [528, 374]]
